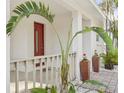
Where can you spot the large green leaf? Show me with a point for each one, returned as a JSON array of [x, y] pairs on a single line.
[[103, 34], [95, 82], [53, 89], [71, 89], [26, 9], [38, 90]]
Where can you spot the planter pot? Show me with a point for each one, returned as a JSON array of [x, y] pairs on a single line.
[[84, 70], [95, 63], [109, 66]]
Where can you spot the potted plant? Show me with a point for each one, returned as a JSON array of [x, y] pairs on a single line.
[[110, 59], [84, 68], [95, 62]]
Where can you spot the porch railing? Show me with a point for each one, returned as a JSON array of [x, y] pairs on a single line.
[[46, 66]]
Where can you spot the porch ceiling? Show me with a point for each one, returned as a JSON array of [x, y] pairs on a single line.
[[91, 9], [56, 7]]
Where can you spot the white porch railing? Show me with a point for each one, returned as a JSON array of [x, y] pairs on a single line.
[[48, 71]]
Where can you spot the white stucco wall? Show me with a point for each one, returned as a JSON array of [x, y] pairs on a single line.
[[22, 39]]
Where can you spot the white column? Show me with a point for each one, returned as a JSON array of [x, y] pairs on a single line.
[[7, 49], [8, 64], [88, 41], [77, 43]]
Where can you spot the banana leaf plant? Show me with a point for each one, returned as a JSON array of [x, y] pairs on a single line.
[[31, 7]]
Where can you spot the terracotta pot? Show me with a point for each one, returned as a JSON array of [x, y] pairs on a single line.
[[95, 63], [84, 70]]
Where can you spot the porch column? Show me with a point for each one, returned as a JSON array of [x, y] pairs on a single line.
[[7, 50], [77, 43]]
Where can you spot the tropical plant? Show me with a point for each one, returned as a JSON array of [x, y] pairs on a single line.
[[71, 88], [116, 2], [109, 7], [112, 53], [104, 35], [110, 57], [38, 90], [29, 8], [53, 89], [95, 82]]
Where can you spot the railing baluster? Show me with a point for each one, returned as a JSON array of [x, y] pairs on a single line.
[[74, 64], [59, 67], [70, 66], [51, 60], [56, 70], [41, 72], [17, 78], [46, 61], [26, 77], [34, 73]]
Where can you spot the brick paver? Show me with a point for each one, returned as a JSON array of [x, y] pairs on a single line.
[[107, 77]]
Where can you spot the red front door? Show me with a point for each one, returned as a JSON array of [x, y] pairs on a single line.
[[38, 39]]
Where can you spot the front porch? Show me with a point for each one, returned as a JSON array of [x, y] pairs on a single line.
[[25, 75]]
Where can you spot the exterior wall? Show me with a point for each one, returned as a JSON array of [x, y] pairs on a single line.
[[25, 46], [22, 39], [7, 50]]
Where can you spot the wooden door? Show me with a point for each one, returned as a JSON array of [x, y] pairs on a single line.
[[38, 39]]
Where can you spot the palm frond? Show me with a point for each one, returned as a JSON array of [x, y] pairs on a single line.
[[26, 9], [107, 39], [103, 34], [95, 82], [12, 23]]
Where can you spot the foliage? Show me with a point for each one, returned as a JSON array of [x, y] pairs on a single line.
[[26, 9], [71, 89], [100, 91], [95, 82], [38, 90], [103, 34], [110, 57], [53, 89], [112, 53], [116, 2], [109, 7], [114, 28]]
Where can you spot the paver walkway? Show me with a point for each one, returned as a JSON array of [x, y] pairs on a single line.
[[107, 77]]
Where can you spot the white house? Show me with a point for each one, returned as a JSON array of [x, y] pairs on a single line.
[[23, 43]]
